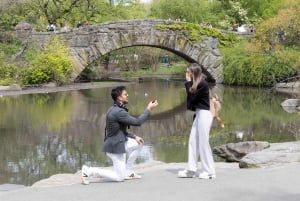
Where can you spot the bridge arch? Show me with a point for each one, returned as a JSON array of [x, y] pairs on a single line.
[[89, 43]]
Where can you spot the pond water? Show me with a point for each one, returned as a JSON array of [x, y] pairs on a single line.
[[47, 134]]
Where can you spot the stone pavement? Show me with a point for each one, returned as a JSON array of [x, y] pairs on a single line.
[[160, 183]]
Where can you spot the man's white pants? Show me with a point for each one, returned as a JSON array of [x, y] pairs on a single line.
[[120, 167], [199, 143]]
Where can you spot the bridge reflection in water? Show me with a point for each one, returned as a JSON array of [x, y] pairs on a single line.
[[46, 134]]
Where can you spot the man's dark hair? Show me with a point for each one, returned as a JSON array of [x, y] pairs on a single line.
[[117, 91]]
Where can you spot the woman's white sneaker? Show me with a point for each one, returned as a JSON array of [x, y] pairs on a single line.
[[186, 174], [207, 176], [133, 175], [85, 175]]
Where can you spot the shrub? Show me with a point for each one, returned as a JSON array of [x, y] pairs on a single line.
[[282, 29], [52, 64], [8, 73], [243, 66], [36, 75]]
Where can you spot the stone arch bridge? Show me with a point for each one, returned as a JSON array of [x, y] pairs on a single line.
[[88, 43]]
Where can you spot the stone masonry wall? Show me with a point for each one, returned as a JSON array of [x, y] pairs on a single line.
[[88, 43]]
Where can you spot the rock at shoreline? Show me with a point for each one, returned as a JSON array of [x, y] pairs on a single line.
[[260, 154], [289, 87], [13, 87], [291, 105], [276, 154], [233, 152]]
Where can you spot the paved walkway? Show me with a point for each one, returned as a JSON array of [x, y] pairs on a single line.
[[159, 183]]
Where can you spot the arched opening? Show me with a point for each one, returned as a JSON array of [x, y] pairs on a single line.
[[136, 58]]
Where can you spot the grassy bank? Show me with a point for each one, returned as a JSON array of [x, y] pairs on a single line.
[[161, 69]]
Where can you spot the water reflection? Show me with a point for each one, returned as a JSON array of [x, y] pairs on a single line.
[[46, 134]]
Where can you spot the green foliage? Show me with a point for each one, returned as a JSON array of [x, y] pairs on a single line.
[[283, 29], [192, 10], [263, 9], [283, 64], [8, 71], [7, 38], [8, 74], [178, 69], [243, 67], [11, 13], [30, 54], [41, 13], [237, 14], [234, 62], [249, 11], [194, 32], [147, 58], [9, 49], [271, 56], [52, 64], [36, 75], [219, 13]]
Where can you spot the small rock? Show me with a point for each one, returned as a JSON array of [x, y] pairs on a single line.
[[50, 84], [4, 88], [15, 87]]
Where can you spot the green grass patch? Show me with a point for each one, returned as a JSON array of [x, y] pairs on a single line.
[[162, 69], [9, 49]]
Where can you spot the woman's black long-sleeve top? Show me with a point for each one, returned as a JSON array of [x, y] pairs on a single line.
[[200, 99]]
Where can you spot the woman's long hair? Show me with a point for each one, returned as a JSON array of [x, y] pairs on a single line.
[[197, 76]]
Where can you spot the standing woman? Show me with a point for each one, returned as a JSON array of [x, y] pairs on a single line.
[[197, 91]]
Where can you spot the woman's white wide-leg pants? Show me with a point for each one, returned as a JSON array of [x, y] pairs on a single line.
[[199, 143]]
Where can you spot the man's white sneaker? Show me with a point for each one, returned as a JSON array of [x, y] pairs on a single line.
[[186, 174], [133, 175], [85, 175], [207, 176]]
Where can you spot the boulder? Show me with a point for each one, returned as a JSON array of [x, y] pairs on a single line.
[[276, 154], [234, 152], [291, 105]]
